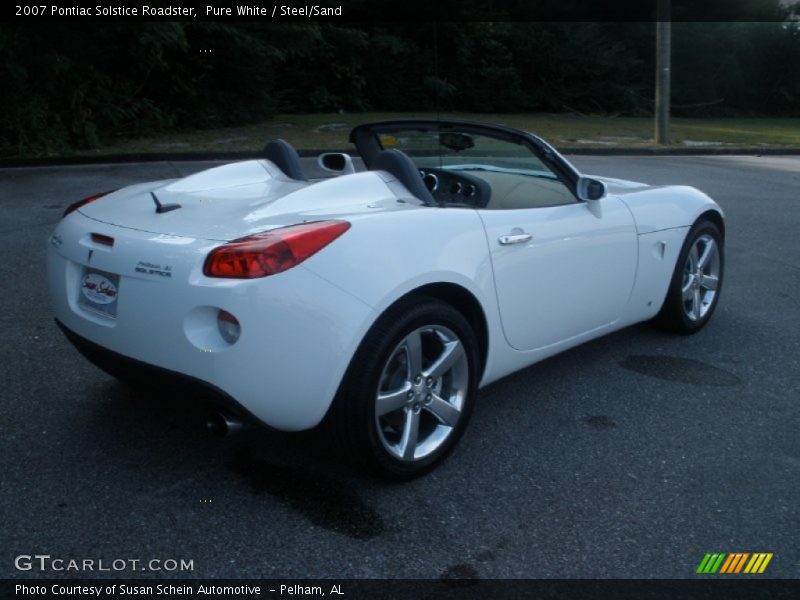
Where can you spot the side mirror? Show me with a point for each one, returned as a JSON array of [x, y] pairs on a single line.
[[336, 162], [590, 189]]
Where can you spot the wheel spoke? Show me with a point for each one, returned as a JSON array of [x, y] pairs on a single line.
[[449, 356], [693, 258], [408, 443], [443, 411], [696, 303], [414, 354], [708, 253], [390, 401], [709, 282], [687, 288]]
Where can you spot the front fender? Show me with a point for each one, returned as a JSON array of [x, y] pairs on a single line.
[[667, 207]]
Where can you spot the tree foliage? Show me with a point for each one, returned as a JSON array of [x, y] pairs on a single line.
[[67, 86]]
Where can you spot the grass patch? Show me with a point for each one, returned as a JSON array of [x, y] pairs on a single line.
[[330, 130]]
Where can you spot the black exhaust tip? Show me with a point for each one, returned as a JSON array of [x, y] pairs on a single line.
[[221, 424]]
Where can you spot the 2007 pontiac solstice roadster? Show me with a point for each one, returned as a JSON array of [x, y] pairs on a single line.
[[378, 301]]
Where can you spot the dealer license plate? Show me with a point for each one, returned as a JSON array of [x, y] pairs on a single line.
[[99, 292]]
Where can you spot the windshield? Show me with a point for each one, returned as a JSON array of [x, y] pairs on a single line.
[[461, 151]]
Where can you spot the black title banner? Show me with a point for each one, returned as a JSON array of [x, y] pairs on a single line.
[[377, 589], [413, 10]]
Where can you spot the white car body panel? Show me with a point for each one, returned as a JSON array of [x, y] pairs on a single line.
[[656, 208], [573, 276], [171, 322], [246, 198], [590, 268]]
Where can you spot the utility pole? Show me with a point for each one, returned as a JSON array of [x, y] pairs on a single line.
[[663, 52]]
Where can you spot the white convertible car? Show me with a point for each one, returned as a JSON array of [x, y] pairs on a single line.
[[377, 301]]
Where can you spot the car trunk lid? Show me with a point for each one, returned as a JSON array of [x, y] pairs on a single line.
[[236, 200]]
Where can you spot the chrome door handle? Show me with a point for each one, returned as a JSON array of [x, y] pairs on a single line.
[[516, 238]]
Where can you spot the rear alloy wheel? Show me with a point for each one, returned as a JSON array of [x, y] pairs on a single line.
[[696, 282], [410, 388], [421, 393]]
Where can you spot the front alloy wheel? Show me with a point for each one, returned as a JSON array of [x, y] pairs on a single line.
[[700, 277], [696, 282]]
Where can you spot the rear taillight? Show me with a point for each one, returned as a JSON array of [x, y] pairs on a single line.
[[76, 205], [273, 251]]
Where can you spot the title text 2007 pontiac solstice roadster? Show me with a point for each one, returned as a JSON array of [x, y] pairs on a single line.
[[379, 300]]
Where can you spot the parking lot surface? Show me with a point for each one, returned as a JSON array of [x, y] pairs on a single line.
[[631, 456]]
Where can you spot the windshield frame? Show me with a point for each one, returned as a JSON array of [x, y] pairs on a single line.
[[367, 142]]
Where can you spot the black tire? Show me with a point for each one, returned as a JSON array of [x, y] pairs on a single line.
[[352, 418], [675, 316]]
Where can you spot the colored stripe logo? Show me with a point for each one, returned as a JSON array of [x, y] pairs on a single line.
[[734, 562]]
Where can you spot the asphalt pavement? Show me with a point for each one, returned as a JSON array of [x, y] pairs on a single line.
[[631, 456]]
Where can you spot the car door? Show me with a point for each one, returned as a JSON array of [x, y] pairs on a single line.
[[561, 271], [562, 266]]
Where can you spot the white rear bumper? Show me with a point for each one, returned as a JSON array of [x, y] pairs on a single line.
[[298, 331]]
